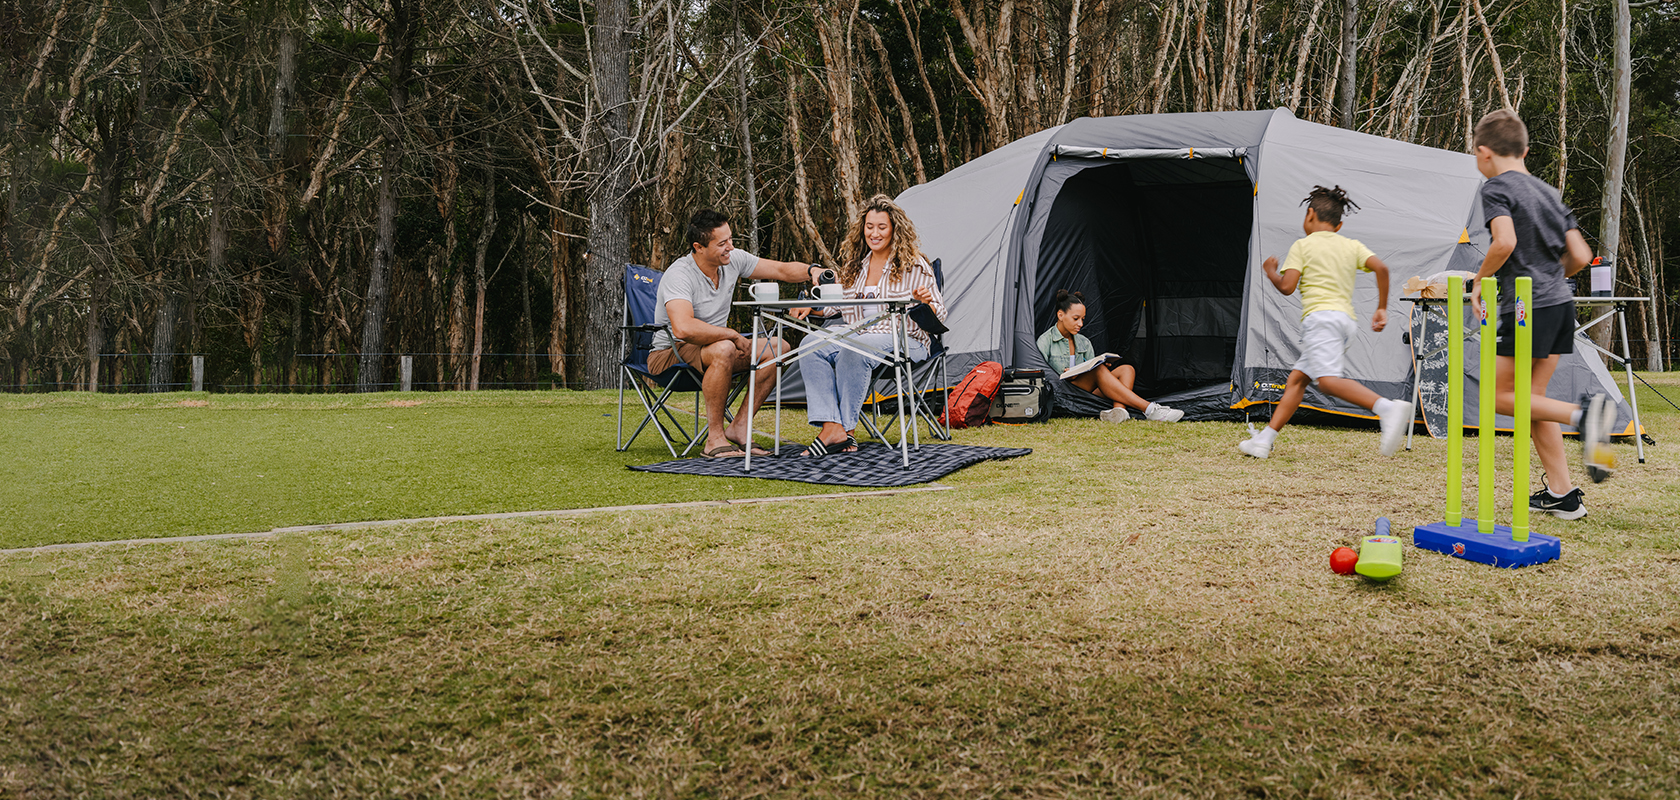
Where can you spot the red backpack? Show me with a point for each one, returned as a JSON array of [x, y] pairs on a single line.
[[971, 401]]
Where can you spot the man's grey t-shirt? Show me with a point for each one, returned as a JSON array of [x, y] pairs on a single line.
[[1541, 220], [684, 281]]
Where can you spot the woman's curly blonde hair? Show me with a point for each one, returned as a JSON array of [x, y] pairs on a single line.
[[906, 247]]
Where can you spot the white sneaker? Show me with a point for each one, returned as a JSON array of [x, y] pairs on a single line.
[[1394, 425], [1116, 415], [1256, 448], [1160, 413]]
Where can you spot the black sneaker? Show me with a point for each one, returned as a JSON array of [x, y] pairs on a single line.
[[1570, 506], [1598, 414]]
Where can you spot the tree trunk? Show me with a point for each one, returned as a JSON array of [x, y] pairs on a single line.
[[1301, 56], [1648, 287], [612, 162], [401, 30], [479, 285], [1067, 74], [559, 295], [1563, 95], [1469, 124], [749, 174], [1350, 64], [162, 372], [1615, 161], [1493, 55], [912, 33], [801, 185], [908, 121], [837, 86]]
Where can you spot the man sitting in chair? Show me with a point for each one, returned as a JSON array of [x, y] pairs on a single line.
[[693, 305]]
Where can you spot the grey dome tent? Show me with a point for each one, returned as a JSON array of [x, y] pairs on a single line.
[[1162, 222]]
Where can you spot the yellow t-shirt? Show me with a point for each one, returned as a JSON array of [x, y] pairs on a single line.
[[1327, 262]]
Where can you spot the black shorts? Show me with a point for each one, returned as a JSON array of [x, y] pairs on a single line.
[[1553, 327]]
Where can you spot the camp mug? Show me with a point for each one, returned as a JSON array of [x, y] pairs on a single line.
[[766, 292], [831, 291]]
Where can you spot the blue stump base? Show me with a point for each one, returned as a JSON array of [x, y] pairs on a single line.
[[1495, 548]]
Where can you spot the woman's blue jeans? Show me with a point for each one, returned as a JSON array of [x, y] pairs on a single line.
[[837, 379]]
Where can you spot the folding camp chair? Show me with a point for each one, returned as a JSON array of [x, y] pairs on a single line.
[[933, 386], [641, 297]]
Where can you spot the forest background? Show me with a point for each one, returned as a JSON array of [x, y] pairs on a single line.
[[299, 190]]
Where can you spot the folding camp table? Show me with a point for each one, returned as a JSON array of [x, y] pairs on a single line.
[[1619, 309], [767, 319]]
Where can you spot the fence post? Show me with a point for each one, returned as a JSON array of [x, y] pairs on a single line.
[[408, 373], [198, 373]]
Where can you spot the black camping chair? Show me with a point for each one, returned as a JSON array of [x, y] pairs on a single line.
[[924, 392], [641, 297]]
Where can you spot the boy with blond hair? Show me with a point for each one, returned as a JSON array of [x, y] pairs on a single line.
[[1535, 235]]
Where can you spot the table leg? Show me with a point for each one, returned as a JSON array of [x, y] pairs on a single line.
[[1627, 362], [898, 379], [752, 387], [776, 449]]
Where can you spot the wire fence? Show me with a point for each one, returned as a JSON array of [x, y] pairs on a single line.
[[304, 373]]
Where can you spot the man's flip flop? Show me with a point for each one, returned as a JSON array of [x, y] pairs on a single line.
[[756, 450], [730, 450]]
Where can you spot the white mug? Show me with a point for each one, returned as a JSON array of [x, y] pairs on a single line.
[[831, 291], [766, 292]]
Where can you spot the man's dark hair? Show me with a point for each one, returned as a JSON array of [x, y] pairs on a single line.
[[1329, 204], [1503, 132], [701, 225]]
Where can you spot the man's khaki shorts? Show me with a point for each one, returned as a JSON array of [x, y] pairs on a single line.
[[661, 360]]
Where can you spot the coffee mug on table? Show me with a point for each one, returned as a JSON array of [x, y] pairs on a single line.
[[766, 292], [831, 291]]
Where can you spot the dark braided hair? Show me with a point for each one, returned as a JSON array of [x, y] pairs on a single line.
[[1066, 300], [1330, 204]]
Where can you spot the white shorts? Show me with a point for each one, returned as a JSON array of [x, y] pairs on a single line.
[[1325, 336]]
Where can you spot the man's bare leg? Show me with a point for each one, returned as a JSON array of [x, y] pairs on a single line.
[[766, 382], [718, 362]]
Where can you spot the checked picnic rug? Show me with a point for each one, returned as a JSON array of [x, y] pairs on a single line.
[[874, 464]]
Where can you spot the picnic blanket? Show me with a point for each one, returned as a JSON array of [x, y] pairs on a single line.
[[874, 464]]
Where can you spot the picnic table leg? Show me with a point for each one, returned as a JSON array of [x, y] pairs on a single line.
[[752, 388], [776, 449], [898, 378]]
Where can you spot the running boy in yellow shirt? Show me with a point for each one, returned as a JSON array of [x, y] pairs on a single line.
[[1324, 264]]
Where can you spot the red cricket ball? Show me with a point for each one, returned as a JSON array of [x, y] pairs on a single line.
[[1343, 559]]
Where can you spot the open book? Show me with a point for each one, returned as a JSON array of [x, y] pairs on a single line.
[[1086, 366]]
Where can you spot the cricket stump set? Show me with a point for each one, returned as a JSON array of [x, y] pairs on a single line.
[[1481, 539]]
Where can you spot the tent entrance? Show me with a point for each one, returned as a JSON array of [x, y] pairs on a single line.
[[1159, 248]]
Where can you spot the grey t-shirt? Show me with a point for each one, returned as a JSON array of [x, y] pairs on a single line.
[[1541, 220], [684, 281]]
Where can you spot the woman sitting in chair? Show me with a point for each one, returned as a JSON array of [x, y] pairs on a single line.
[[1063, 347], [881, 257]]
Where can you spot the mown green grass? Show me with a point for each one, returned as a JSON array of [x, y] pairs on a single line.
[[1132, 611], [79, 467]]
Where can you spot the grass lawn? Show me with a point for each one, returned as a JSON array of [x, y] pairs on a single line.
[[1132, 611], [81, 467]]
